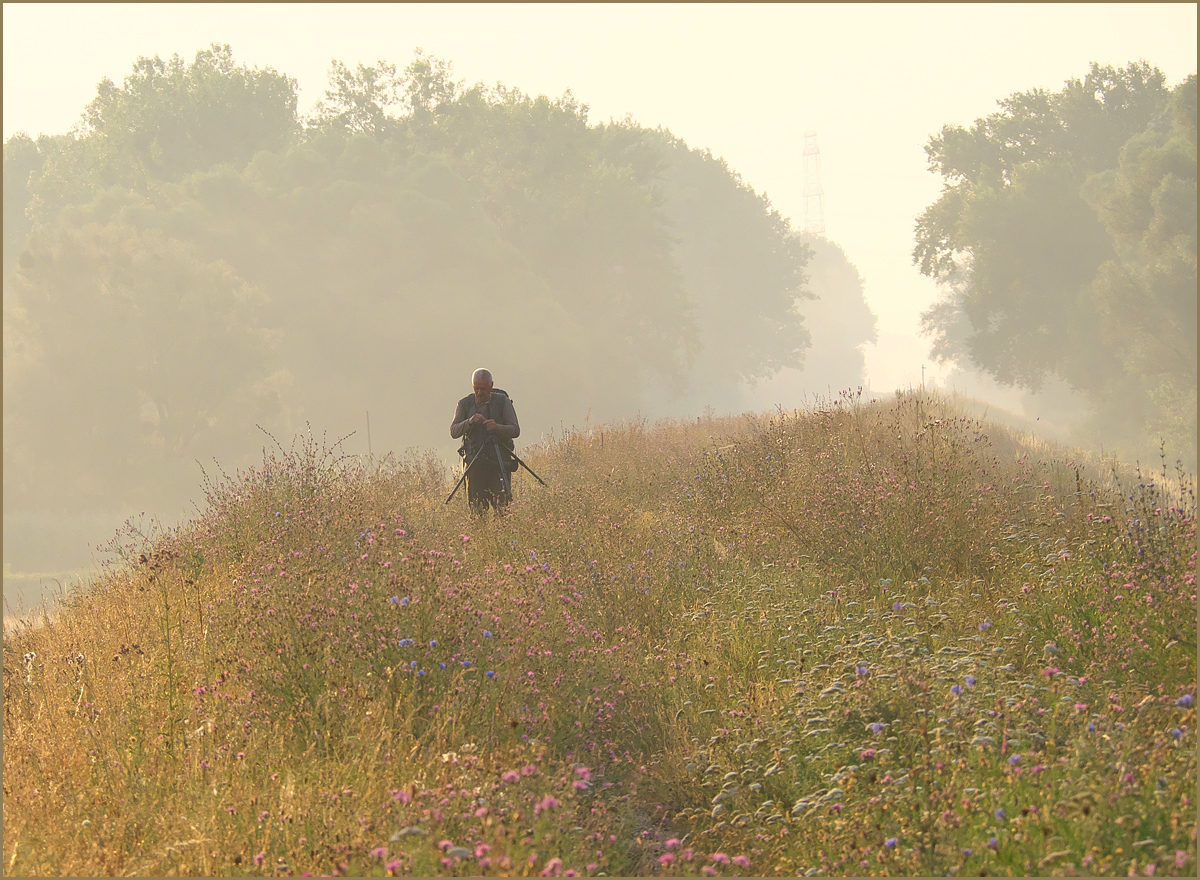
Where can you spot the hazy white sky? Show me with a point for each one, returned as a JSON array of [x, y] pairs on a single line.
[[873, 80]]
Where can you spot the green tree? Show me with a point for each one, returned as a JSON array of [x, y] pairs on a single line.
[[1021, 242]]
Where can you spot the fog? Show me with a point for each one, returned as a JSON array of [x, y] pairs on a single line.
[[211, 252]]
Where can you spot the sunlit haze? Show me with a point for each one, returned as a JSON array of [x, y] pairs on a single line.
[[874, 81]]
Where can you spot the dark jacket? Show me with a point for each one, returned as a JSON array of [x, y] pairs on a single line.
[[498, 407]]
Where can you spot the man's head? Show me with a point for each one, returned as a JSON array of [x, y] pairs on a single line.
[[481, 384]]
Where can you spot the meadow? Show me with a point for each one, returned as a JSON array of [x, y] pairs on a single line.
[[864, 639]]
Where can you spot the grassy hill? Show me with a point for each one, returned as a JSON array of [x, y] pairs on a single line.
[[876, 638]]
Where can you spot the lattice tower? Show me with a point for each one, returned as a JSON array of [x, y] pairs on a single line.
[[814, 195]]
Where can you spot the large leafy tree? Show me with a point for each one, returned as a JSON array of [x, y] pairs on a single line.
[[1026, 240]]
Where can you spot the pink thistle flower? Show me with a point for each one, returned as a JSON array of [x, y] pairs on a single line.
[[583, 773], [672, 843], [399, 794], [666, 859], [720, 858], [708, 871], [445, 845], [528, 770], [393, 866], [511, 776], [687, 855], [741, 861], [482, 850], [260, 858], [380, 852]]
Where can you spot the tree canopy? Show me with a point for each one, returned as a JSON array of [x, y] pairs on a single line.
[[1065, 238], [195, 259]]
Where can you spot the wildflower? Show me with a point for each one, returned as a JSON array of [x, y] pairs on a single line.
[[404, 602], [877, 727], [262, 856], [585, 773], [687, 855], [445, 845], [511, 776], [860, 670], [433, 643], [1180, 858], [1177, 733], [380, 852], [741, 861], [487, 634], [466, 663], [1001, 815], [720, 858], [529, 770], [1185, 701], [891, 842], [490, 674], [401, 795], [1014, 760], [971, 681], [395, 600], [393, 866], [967, 852], [1091, 728], [867, 754], [1150, 869], [986, 625], [666, 859], [441, 666], [404, 643], [420, 672], [708, 871], [672, 843], [897, 606], [412, 665], [482, 850], [956, 690]]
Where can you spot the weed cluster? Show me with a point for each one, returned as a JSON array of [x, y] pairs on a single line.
[[870, 639]]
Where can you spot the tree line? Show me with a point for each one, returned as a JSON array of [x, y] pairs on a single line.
[[197, 258]]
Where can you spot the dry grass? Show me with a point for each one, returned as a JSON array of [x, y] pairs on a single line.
[[866, 639]]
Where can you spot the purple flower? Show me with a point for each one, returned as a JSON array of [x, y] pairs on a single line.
[[487, 634], [1015, 759], [993, 844], [404, 643], [433, 643], [967, 852], [466, 663], [395, 600], [412, 665], [891, 842], [956, 690], [1000, 814], [986, 625], [1177, 733], [380, 852], [897, 606], [490, 674], [404, 602], [1185, 701], [441, 666], [860, 670], [877, 727], [970, 681]]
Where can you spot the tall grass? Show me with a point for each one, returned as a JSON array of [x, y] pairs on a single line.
[[868, 639]]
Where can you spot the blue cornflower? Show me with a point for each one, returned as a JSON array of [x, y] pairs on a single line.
[[987, 624], [420, 672], [413, 665], [487, 634], [891, 842], [404, 643], [1001, 815], [491, 674], [993, 844], [395, 600], [466, 663], [967, 852], [433, 643], [1185, 701], [877, 727], [956, 690], [860, 670], [1177, 733], [1015, 759], [970, 681], [404, 601], [1091, 728], [441, 666]]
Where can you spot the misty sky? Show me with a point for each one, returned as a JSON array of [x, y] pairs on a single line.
[[874, 81]]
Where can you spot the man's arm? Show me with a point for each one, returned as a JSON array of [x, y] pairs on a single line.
[[509, 428], [459, 426]]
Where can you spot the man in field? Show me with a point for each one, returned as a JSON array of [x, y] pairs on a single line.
[[485, 413]]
